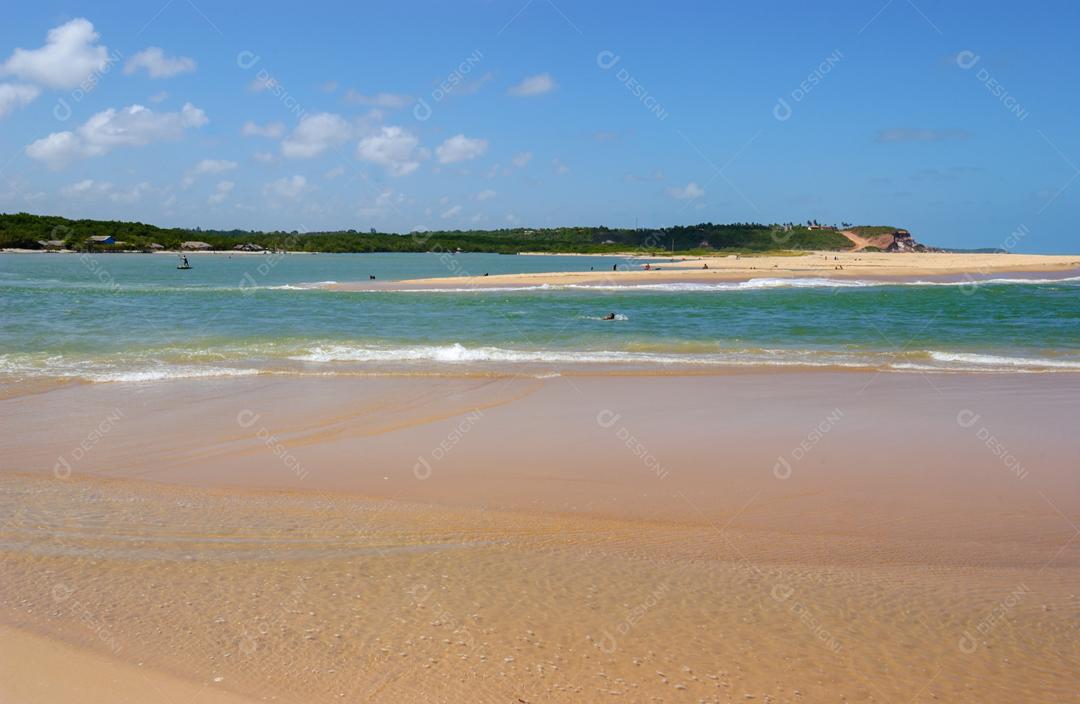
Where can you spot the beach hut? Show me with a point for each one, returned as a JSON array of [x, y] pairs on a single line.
[[102, 239], [197, 246]]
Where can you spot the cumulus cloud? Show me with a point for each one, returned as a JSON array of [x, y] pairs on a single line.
[[460, 148], [315, 134], [521, 159], [487, 194], [451, 212], [221, 192], [534, 85], [379, 100], [16, 95], [289, 188], [70, 55], [336, 172], [906, 134], [395, 148], [157, 64], [133, 126], [273, 130], [688, 192], [159, 97], [213, 166]]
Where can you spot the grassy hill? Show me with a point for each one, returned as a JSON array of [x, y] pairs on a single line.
[[22, 230]]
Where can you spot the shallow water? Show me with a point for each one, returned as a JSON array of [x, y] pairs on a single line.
[[136, 318]]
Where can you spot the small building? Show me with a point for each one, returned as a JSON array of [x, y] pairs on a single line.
[[102, 239], [608, 242], [154, 246], [197, 246], [52, 244], [249, 247]]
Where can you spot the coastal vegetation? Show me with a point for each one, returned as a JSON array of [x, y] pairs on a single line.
[[26, 231]]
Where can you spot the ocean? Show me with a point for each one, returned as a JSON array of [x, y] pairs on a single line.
[[132, 318]]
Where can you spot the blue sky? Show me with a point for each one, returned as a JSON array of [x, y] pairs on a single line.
[[956, 120]]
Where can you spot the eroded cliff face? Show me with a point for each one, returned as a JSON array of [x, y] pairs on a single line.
[[896, 241]]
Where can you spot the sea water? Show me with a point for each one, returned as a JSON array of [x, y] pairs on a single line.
[[130, 317]]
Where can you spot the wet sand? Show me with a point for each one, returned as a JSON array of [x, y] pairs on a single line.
[[869, 265], [782, 537]]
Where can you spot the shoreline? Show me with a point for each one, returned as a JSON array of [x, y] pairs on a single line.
[[884, 267]]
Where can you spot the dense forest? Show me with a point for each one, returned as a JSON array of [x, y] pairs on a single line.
[[31, 231]]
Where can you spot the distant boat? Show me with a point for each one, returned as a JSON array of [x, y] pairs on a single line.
[[183, 263]]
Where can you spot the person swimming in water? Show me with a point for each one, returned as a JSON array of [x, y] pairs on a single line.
[[609, 316]]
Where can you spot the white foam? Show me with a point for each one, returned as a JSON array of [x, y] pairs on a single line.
[[989, 360], [166, 373], [457, 353]]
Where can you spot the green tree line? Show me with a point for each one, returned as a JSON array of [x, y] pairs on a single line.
[[22, 230]]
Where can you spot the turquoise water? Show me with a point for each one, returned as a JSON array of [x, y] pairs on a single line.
[[135, 317]]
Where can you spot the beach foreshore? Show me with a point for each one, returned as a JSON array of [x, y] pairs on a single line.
[[726, 268], [796, 537]]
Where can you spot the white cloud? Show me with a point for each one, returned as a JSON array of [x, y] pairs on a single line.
[[133, 126], [132, 195], [451, 212], [329, 86], [213, 166], [393, 147], [262, 81], [471, 87], [486, 194], [273, 130], [158, 65], [336, 172], [534, 85], [688, 192], [379, 100], [221, 192], [89, 188], [386, 200], [315, 134], [69, 57], [460, 148], [159, 97], [560, 168], [657, 175], [16, 95], [290, 188], [264, 157], [522, 159]]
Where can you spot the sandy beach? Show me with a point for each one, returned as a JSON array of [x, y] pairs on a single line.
[[881, 537], [845, 265]]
